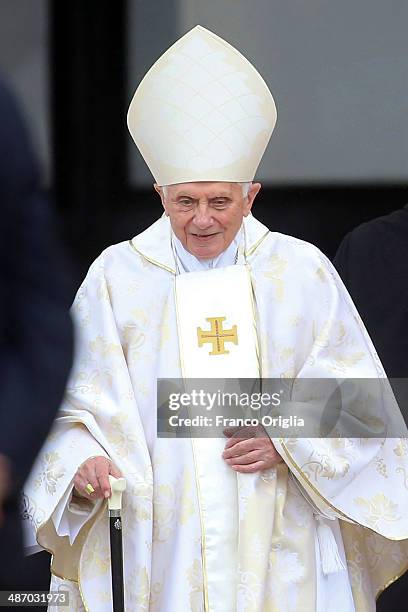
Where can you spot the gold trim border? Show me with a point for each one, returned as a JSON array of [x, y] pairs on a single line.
[[253, 248], [150, 260], [391, 581]]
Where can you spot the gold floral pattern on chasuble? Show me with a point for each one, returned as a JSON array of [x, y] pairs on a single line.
[[381, 467], [186, 506], [401, 450], [378, 509], [95, 560], [277, 358], [138, 500], [172, 507], [255, 539], [138, 589], [286, 564], [272, 573], [102, 290], [194, 575], [380, 551], [92, 382], [404, 472], [369, 559], [339, 345], [249, 592], [165, 326], [133, 338], [30, 511], [328, 465], [164, 512], [118, 434], [321, 274], [287, 575], [276, 269], [101, 347], [156, 591], [356, 565], [52, 471]]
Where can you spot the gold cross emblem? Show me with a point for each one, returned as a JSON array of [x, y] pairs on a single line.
[[217, 336]]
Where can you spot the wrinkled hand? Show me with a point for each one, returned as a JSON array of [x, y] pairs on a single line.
[[95, 471], [249, 450]]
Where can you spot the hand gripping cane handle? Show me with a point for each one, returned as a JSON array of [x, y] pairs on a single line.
[[118, 485]]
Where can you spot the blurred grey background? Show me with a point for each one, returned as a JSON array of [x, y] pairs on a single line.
[[338, 72], [24, 62]]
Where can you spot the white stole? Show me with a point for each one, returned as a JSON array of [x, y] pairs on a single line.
[[215, 314]]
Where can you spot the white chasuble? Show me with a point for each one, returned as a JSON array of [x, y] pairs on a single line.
[[254, 551]]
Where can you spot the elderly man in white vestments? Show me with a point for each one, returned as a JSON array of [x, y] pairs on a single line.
[[237, 525]]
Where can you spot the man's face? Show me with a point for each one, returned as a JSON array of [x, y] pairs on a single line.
[[206, 216]]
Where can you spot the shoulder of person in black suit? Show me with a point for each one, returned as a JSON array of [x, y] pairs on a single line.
[[373, 263]]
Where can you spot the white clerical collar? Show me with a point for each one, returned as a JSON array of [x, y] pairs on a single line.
[[186, 262]]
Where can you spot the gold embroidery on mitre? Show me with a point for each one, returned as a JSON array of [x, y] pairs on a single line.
[[217, 336]]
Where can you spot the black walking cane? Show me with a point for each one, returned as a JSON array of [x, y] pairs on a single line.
[[118, 485]]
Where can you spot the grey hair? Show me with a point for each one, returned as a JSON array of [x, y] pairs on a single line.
[[245, 189]]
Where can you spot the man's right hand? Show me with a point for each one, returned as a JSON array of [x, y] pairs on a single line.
[[95, 471]]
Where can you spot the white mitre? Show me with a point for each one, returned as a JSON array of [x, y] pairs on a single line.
[[202, 113]]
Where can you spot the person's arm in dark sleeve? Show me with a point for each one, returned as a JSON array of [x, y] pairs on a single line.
[[35, 327]]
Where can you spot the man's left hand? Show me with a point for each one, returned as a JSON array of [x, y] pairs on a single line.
[[250, 450]]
